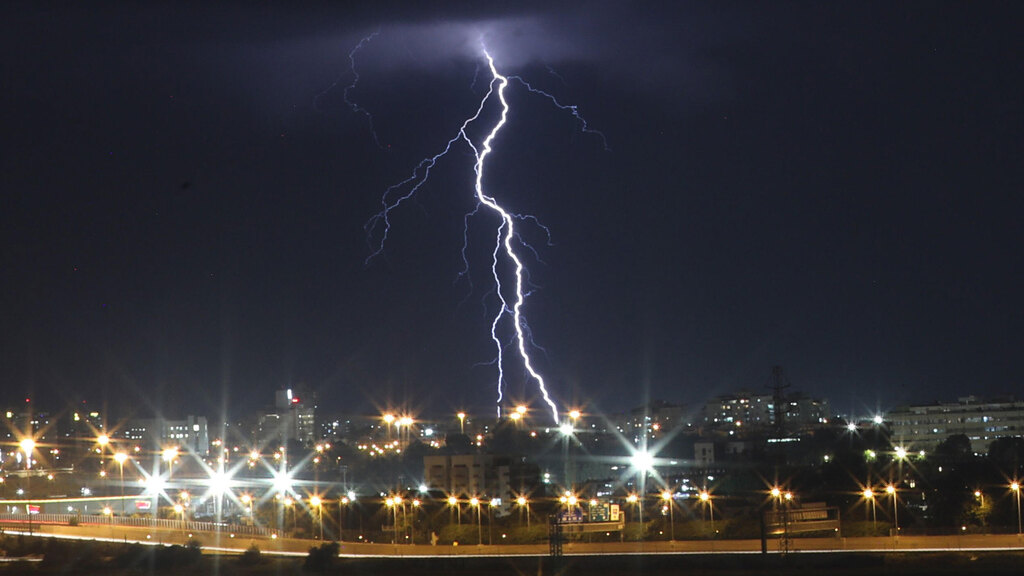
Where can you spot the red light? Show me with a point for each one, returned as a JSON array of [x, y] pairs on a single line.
[[28, 400], [295, 400]]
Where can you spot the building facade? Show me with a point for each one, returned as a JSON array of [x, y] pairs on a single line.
[[924, 426]]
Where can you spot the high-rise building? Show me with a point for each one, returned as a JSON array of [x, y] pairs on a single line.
[[924, 426], [293, 418]]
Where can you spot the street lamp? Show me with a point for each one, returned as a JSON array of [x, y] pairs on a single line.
[[462, 422], [317, 503], [28, 446], [103, 440], [454, 502], [524, 503], [288, 504], [169, 455], [475, 502], [667, 497], [120, 458], [412, 524], [491, 505], [247, 500], [891, 491], [705, 497], [869, 494], [181, 512], [1015, 486], [390, 502], [342, 503]]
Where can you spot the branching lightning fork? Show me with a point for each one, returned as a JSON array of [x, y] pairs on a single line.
[[506, 238]]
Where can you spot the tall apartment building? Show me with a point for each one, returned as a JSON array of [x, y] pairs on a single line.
[[738, 412], [924, 426], [293, 418]]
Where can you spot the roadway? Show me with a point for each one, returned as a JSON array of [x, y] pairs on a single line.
[[223, 542]]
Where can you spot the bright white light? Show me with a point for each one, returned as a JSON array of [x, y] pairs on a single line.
[[901, 452], [282, 483], [852, 427], [566, 429], [878, 419], [642, 461], [219, 483], [424, 488], [155, 484]]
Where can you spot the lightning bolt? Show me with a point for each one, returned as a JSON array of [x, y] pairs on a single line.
[[506, 237], [355, 80], [352, 104], [506, 233]]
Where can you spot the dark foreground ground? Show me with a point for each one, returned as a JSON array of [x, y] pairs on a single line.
[[832, 564]]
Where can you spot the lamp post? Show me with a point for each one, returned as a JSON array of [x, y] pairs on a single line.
[[342, 503], [633, 499], [407, 423], [247, 500], [181, 512], [120, 458], [399, 501], [524, 503], [453, 502], [475, 502], [494, 502], [869, 494], [705, 497], [891, 491], [667, 497], [28, 446], [169, 455], [462, 422], [102, 440], [186, 499], [1015, 486], [317, 503], [288, 504], [391, 503], [412, 524]]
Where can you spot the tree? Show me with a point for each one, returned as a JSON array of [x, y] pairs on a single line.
[[1007, 453], [956, 448], [321, 558]]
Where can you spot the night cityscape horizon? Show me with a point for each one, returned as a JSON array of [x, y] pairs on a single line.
[[547, 283]]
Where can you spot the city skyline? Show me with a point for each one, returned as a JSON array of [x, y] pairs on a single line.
[[833, 189]]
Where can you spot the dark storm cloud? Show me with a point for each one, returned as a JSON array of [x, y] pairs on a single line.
[[661, 53]]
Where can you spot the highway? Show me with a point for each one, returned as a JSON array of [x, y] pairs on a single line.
[[222, 542]]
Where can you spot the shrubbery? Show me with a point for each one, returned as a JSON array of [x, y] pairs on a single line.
[[251, 556], [321, 559]]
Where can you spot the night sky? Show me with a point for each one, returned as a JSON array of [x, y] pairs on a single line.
[[833, 187]]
